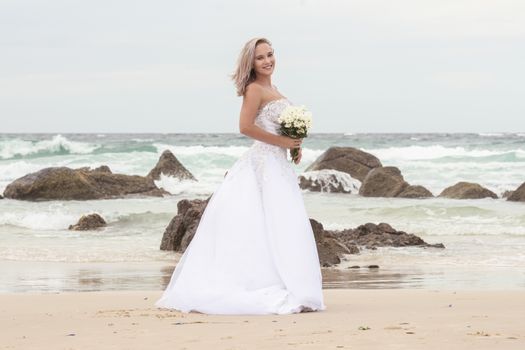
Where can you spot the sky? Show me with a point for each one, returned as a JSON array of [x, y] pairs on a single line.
[[129, 66]]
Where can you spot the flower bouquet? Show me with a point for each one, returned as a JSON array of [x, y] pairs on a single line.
[[295, 122]]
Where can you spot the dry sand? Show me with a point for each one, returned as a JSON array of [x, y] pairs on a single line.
[[354, 319]]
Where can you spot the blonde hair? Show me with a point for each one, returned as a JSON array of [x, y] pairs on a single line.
[[244, 72]]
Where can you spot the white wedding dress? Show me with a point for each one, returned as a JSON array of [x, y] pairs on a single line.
[[254, 251]]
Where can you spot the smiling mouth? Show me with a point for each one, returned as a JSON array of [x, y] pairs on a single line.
[[268, 67]]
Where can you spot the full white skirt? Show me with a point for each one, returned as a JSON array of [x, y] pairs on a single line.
[[254, 251]]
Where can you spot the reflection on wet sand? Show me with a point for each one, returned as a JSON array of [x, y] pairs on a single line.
[[363, 278], [57, 277], [367, 278], [166, 271]]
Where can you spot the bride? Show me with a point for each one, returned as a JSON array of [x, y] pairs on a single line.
[[254, 251]]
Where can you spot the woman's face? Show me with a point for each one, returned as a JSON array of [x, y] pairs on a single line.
[[264, 59]]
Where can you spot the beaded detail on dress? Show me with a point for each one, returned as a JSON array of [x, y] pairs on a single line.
[[267, 115], [267, 119], [257, 155]]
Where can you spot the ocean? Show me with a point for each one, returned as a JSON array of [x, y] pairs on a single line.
[[484, 239]]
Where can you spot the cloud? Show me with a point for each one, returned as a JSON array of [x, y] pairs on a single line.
[[370, 60]]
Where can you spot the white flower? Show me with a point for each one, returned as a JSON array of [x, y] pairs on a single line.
[[295, 119]]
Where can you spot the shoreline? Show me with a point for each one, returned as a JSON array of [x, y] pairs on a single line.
[[60, 277], [396, 318]]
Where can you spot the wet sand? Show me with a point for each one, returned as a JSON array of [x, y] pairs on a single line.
[[23, 277]]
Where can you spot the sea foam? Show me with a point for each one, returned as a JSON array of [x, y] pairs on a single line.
[[59, 144], [38, 221], [438, 151], [232, 151], [176, 186]]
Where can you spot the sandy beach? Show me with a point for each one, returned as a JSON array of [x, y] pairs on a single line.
[[354, 319], [132, 131]]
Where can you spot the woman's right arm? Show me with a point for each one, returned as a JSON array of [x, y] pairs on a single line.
[[250, 104]]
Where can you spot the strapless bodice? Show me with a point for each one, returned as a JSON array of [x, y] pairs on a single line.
[[267, 115], [266, 119]]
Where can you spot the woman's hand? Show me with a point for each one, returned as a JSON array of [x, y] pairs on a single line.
[[289, 142], [299, 156]]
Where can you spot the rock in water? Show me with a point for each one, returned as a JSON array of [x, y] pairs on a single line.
[[88, 222], [62, 183], [415, 192], [329, 248], [383, 182], [169, 165], [181, 229], [349, 160], [328, 180], [377, 181], [373, 235], [518, 195], [467, 190]]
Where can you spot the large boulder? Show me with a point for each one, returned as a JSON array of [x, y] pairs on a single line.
[[518, 195], [88, 222], [383, 182], [169, 165], [62, 183], [415, 191], [181, 229], [467, 190], [329, 248], [331, 245], [349, 160], [328, 180]]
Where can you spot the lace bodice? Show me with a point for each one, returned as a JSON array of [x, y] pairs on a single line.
[[266, 119], [261, 154], [267, 115]]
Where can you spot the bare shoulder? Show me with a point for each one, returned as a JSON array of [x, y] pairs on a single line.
[[254, 89], [254, 93]]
